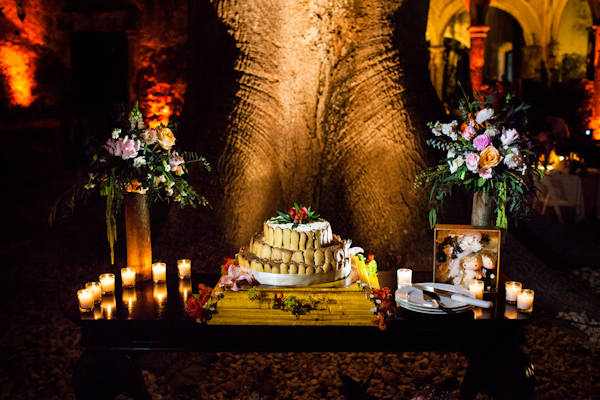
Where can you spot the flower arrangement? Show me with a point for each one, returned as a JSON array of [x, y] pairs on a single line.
[[385, 306], [487, 152], [231, 274], [296, 215], [202, 306], [136, 159]]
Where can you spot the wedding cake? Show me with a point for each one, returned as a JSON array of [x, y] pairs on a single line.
[[297, 249]]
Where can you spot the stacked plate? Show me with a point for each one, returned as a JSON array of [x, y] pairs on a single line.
[[411, 298]]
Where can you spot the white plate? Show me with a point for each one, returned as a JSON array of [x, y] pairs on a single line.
[[411, 298]]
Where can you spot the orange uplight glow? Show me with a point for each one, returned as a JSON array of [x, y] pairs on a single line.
[[157, 109], [15, 64], [594, 126]]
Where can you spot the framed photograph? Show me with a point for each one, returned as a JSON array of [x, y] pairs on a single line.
[[465, 252]]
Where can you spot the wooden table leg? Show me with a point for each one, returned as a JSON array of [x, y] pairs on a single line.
[[104, 374], [506, 374]]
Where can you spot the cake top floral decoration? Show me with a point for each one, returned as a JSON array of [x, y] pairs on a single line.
[[296, 215]]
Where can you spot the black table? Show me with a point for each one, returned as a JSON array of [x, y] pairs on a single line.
[[152, 317]]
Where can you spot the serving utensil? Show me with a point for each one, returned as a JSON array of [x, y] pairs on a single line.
[[435, 292]]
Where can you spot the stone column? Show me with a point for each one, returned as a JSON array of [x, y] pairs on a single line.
[[436, 68], [476, 55]]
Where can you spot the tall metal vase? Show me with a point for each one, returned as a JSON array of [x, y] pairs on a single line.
[[137, 229], [483, 206]]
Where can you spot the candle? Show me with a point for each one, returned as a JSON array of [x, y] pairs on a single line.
[[512, 291], [107, 282], [86, 300], [525, 300], [476, 287], [159, 272], [404, 277], [185, 268], [128, 277], [94, 287]]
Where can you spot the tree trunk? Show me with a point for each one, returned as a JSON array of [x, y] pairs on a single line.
[[330, 111], [137, 229], [483, 205]]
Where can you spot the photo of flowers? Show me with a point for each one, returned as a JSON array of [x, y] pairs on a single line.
[[462, 253]]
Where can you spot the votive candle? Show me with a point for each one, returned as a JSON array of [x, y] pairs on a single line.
[[96, 290], [107, 283], [128, 277], [159, 272], [525, 300], [86, 300], [512, 291], [404, 277], [476, 287], [184, 268]]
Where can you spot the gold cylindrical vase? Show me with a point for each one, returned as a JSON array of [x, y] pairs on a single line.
[[137, 229]]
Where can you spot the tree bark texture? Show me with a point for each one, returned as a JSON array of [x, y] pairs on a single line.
[[483, 205], [330, 111]]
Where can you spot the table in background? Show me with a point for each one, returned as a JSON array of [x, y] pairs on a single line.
[[152, 318]]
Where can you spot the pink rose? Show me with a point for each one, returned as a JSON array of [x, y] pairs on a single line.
[[110, 146], [508, 137], [469, 131], [485, 173], [129, 148], [481, 142], [472, 161]]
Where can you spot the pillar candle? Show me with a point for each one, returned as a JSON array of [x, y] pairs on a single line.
[[159, 272], [184, 268], [86, 300], [128, 277], [476, 287], [404, 277], [525, 300], [96, 290], [512, 291], [107, 282]]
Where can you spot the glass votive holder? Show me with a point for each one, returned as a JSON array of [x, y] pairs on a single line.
[[184, 269], [404, 277], [107, 283], [96, 290], [476, 287], [159, 272], [525, 301], [85, 298], [128, 277], [512, 291]]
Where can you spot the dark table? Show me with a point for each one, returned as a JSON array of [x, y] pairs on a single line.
[[152, 317]]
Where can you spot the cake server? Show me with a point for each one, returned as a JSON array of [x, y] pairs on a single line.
[[459, 297]]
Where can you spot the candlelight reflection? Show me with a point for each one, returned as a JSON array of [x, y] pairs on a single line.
[[185, 289], [129, 297], [109, 304], [160, 294]]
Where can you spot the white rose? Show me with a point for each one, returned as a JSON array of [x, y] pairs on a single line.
[[484, 115], [457, 162], [514, 158], [491, 132]]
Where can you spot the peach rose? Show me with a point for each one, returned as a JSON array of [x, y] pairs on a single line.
[[489, 157], [165, 137]]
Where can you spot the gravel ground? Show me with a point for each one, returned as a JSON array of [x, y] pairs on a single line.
[[43, 267]]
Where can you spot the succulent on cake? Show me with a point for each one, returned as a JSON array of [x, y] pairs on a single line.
[[296, 215]]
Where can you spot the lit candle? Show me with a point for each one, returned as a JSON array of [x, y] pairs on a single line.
[[512, 291], [94, 287], [86, 300], [107, 282], [159, 272], [525, 300], [185, 268], [404, 277], [476, 287], [128, 277]]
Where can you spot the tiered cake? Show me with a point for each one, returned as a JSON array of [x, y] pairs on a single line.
[[298, 253]]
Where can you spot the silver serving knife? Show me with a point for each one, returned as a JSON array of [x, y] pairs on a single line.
[[458, 297], [433, 298]]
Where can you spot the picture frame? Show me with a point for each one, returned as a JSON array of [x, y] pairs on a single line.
[[465, 252]]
